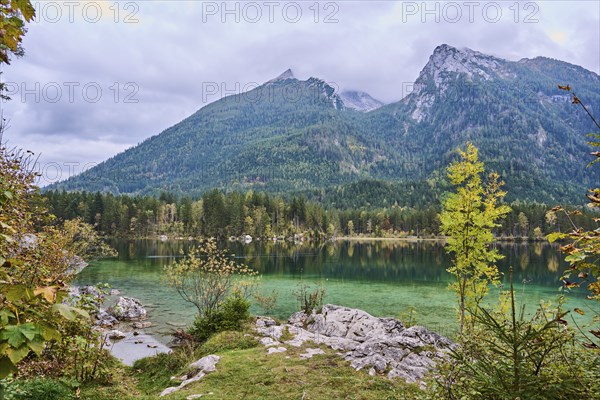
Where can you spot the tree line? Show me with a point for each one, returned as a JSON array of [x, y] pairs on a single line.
[[219, 214]]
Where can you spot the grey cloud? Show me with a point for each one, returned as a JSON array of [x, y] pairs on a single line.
[[171, 54]]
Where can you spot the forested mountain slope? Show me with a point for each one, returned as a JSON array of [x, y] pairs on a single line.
[[294, 136]]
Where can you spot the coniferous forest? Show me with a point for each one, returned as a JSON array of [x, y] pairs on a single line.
[[223, 215]]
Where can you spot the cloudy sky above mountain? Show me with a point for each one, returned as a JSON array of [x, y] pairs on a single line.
[[102, 76]]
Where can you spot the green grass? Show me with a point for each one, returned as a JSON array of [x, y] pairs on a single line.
[[246, 371]]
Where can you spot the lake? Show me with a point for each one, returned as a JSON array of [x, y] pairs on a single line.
[[384, 278]]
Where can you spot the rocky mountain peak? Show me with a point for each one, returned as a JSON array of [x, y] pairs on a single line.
[[287, 74], [442, 69], [447, 59], [359, 101]]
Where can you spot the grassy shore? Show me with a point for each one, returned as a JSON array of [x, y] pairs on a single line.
[[246, 371]]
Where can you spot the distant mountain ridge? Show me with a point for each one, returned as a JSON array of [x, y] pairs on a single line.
[[295, 136]]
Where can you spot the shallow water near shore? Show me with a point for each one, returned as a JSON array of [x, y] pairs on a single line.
[[382, 278]]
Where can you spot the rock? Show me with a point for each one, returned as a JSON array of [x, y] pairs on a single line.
[[94, 296], [297, 319], [273, 350], [268, 327], [169, 390], [310, 353], [142, 325], [76, 264], [268, 342], [128, 309], [263, 322], [380, 345], [204, 365], [114, 292], [115, 334], [104, 319]]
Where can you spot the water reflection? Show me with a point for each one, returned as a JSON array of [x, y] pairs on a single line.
[[375, 261], [383, 277]]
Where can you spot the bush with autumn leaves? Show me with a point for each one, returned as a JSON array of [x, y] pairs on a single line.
[[36, 266]]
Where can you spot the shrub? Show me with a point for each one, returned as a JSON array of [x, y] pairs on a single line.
[[229, 316], [310, 300], [207, 276], [39, 389], [507, 356]]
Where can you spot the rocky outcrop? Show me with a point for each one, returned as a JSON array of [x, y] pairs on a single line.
[[202, 367], [128, 309], [381, 345]]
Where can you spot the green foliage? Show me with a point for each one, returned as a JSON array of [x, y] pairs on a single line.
[[207, 275], [583, 247], [230, 315], [408, 317], [40, 389], [13, 15], [36, 266], [310, 300], [267, 302], [397, 210], [468, 218], [154, 373], [227, 341], [507, 357]]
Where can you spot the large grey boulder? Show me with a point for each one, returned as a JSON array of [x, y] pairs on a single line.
[[128, 309], [381, 345]]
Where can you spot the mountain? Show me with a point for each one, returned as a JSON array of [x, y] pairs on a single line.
[[525, 127], [301, 136], [359, 101]]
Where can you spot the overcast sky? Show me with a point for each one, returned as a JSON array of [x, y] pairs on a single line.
[[101, 76]]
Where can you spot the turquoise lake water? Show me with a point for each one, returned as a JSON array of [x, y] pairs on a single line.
[[383, 278]]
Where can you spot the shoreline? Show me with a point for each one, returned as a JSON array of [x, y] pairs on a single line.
[[411, 239]]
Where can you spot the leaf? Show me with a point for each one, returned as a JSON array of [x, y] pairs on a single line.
[[26, 8], [29, 331], [570, 284], [70, 313], [12, 334], [64, 310], [5, 316], [553, 237], [596, 333], [6, 367], [593, 346], [579, 311], [575, 257], [49, 333], [18, 292], [49, 293], [17, 355], [36, 346]]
